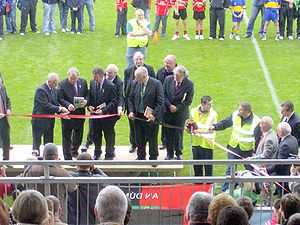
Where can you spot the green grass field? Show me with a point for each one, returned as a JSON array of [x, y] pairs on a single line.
[[229, 71]]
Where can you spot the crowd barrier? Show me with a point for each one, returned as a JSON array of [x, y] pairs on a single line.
[[160, 200]]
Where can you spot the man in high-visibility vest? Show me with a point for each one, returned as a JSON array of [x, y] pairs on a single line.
[[203, 116], [138, 32], [245, 133]]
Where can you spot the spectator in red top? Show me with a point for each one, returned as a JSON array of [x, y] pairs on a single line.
[[5, 189], [162, 13], [121, 7], [180, 12], [199, 16]]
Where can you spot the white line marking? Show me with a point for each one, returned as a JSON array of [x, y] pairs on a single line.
[[265, 70]]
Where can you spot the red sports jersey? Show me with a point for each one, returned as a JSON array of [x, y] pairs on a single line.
[[162, 7], [182, 4], [121, 3], [199, 7]]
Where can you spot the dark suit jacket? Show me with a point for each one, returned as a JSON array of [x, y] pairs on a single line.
[[162, 74], [129, 77], [181, 98], [44, 103], [153, 97], [5, 101], [294, 122], [287, 146], [120, 95], [108, 96], [66, 95]]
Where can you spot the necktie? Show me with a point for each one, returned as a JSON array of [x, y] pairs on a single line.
[[177, 86], [98, 91], [1, 105], [75, 89], [141, 102]]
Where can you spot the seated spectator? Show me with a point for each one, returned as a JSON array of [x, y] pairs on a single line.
[[294, 219], [5, 188], [128, 213], [232, 215], [246, 204], [4, 216], [84, 198], [57, 210], [219, 202], [197, 208], [30, 207], [276, 218], [289, 205], [111, 206]]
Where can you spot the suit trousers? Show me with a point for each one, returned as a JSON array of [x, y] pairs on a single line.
[[146, 131], [5, 136], [121, 22], [132, 133], [28, 7], [45, 132], [106, 126], [72, 132], [202, 153], [214, 15], [286, 14]]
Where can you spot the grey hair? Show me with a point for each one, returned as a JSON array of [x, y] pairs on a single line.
[[268, 121], [182, 70], [172, 57], [114, 67], [73, 70], [285, 128], [111, 205], [143, 70], [52, 76], [138, 53]]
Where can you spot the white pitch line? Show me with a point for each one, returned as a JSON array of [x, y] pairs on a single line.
[[265, 70]]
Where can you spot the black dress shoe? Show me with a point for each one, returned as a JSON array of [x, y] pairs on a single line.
[[168, 157], [138, 158], [179, 157], [108, 158], [163, 147], [132, 149], [96, 157]]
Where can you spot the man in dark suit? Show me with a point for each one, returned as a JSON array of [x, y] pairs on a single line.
[[145, 102], [102, 101], [138, 60], [287, 146], [45, 102], [72, 129], [289, 116], [4, 120], [178, 93]]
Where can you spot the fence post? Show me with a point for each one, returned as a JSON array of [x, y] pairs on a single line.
[[232, 182], [47, 177]]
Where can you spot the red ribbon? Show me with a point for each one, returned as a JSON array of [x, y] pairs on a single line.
[[62, 116]]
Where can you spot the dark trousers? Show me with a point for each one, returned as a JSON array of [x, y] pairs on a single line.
[[72, 132], [106, 126], [38, 133], [5, 136], [28, 7], [202, 153], [244, 154], [89, 138], [79, 16], [121, 22], [216, 14], [1, 25], [286, 14], [146, 131], [298, 23], [132, 133], [163, 20]]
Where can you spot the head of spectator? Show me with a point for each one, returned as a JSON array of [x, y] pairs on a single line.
[[111, 205], [246, 204], [52, 80], [289, 205], [197, 208], [57, 210], [232, 215], [219, 202], [30, 207], [73, 74], [170, 63], [141, 75], [287, 108], [4, 216], [98, 74], [139, 15], [294, 219], [84, 156], [296, 189], [50, 152], [111, 71], [138, 59], [206, 103], [276, 210], [180, 72], [266, 124], [283, 129], [128, 213], [245, 109]]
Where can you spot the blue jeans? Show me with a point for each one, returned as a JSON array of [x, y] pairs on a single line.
[[10, 19], [254, 12], [63, 14], [77, 15], [89, 6], [1, 25], [48, 21], [147, 14], [163, 20], [130, 52], [121, 22]]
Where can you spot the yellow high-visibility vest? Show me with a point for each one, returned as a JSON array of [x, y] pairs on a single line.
[[243, 135], [139, 41], [204, 120]]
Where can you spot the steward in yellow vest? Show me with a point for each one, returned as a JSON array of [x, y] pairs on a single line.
[[203, 116]]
